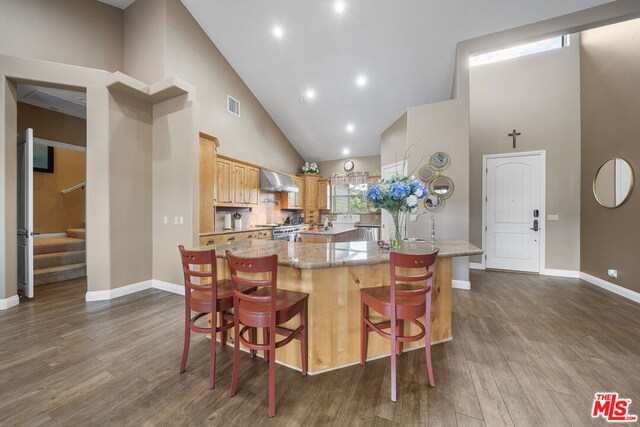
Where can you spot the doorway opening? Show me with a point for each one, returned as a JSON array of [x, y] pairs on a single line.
[[51, 187]]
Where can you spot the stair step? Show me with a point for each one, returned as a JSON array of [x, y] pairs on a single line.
[[77, 233], [58, 244], [57, 259], [43, 276]]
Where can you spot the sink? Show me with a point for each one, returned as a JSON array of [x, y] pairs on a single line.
[[414, 240]]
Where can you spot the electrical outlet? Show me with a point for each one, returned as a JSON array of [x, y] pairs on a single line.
[[613, 273], [181, 220], [553, 217], [175, 220], [166, 220]]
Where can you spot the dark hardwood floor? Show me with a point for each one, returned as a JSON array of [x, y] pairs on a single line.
[[527, 350]]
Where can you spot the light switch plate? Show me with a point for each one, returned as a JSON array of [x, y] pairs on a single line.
[[553, 217]]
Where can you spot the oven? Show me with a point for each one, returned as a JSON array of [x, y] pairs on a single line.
[[286, 233]]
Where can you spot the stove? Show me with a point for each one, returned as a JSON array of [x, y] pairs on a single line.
[[284, 232]]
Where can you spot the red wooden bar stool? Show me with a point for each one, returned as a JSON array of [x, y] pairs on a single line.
[[212, 297], [267, 308], [400, 302]]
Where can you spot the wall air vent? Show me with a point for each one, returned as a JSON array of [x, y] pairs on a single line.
[[233, 106]]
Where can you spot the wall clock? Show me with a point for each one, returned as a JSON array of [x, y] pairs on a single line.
[[348, 165]]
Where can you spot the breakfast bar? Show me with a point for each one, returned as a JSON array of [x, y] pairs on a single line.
[[333, 274]]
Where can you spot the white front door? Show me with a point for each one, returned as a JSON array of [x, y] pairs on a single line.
[[398, 168], [25, 213], [514, 191]]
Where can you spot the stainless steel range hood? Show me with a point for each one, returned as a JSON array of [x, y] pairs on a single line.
[[272, 181]]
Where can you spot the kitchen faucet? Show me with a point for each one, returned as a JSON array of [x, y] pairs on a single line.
[[433, 224]]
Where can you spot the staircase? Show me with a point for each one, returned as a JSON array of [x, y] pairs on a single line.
[[60, 258]]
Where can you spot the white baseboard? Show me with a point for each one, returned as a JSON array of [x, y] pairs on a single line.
[[461, 284], [476, 266], [133, 288], [611, 287], [168, 287], [7, 303], [49, 236], [560, 273], [118, 292]]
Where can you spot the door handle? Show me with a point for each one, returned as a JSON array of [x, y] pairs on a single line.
[[535, 225], [35, 233]]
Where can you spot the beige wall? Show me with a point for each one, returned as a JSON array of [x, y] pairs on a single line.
[[77, 32], [144, 40], [54, 212], [369, 164], [393, 142], [540, 96], [253, 137], [130, 166], [175, 150], [610, 65], [53, 125], [437, 127]]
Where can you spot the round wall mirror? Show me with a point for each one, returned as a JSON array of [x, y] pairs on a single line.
[[426, 173], [441, 186], [613, 183], [439, 160], [433, 203]]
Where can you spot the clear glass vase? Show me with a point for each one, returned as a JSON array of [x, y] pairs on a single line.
[[395, 241]]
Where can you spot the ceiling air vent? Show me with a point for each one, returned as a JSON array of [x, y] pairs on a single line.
[[233, 106]]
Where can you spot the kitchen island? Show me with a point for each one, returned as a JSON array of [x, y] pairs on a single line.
[[332, 275]]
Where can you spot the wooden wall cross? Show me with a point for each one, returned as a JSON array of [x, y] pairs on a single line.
[[514, 135]]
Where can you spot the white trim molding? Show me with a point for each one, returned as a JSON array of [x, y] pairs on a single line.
[[561, 273], [133, 288], [168, 287], [611, 287], [118, 292], [49, 236], [461, 284], [476, 266], [7, 303]]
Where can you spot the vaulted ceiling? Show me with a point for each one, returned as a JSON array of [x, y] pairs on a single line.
[[405, 48]]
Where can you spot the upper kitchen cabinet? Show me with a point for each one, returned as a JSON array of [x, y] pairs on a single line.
[[224, 192], [294, 200], [237, 184], [311, 191], [207, 171]]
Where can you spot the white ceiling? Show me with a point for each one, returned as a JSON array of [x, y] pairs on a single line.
[[406, 48], [122, 4], [70, 102]]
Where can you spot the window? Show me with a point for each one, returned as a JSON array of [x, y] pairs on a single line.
[[349, 198], [521, 50]]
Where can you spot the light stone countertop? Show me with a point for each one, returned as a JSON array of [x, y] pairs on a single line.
[[234, 230], [320, 231], [327, 255]]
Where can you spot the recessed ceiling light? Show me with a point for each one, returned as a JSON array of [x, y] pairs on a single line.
[[310, 94], [361, 80], [350, 127], [345, 151], [278, 32], [339, 7]]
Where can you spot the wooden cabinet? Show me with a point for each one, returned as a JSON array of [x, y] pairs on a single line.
[[252, 183], [237, 184], [324, 192], [224, 172], [311, 191], [207, 171], [235, 237], [294, 200]]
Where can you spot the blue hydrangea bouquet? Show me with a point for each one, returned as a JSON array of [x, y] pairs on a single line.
[[397, 195]]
